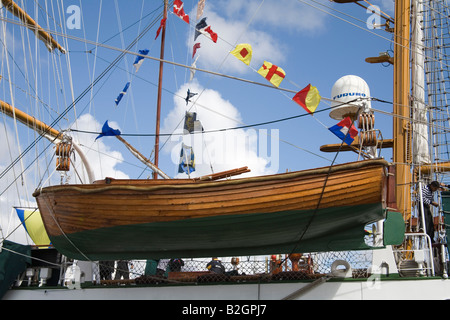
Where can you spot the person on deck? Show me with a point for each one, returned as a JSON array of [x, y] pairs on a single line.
[[216, 266], [175, 265], [427, 201], [122, 270], [106, 270]]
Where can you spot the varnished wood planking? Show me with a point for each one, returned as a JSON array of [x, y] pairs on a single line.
[[212, 195], [261, 198], [77, 212], [197, 201], [110, 217]]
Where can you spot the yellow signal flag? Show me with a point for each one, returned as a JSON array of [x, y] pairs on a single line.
[[272, 73], [243, 52]]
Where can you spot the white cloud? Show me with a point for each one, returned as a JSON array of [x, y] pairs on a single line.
[[387, 6], [214, 56], [101, 157], [13, 193], [285, 16], [239, 21], [223, 150]]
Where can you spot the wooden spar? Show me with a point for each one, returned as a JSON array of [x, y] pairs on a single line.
[[380, 59], [223, 174], [143, 159], [29, 121], [435, 167], [158, 108], [45, 37], [53, 135], [401, 132], [355, 146]]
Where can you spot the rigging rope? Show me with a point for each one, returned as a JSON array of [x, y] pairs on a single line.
[[279, 120], [68, 109], [124, 51], [294, 249], [209, 131], [218, 68], [75, 101], [71, 106]]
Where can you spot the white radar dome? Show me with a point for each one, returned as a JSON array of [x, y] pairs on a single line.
[[346, 90]]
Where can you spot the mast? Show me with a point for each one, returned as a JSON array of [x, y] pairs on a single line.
[[158, 108], [401, 105], [401, 129]]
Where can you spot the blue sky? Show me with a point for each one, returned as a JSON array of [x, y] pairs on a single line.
[[312, 45]]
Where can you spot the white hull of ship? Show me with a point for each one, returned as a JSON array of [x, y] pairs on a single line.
[[373, 289]]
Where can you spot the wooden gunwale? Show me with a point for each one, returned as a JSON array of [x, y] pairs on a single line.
[[176, 185], [229, 191], [209, 196], [212, 190]]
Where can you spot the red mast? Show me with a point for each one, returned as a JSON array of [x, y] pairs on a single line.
[[158, 108]]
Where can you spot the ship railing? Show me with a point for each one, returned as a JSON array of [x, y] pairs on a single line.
[[416, 258], [415, 261], [56, 270], [307, 266]]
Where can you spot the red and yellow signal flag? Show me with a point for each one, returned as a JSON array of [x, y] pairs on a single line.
[[308, 98]]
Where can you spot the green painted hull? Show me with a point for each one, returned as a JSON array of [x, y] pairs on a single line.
[[446, 207], [330, 229]]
